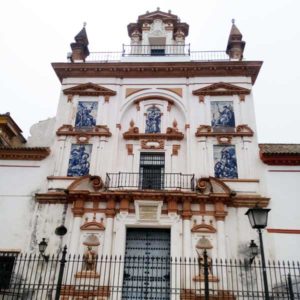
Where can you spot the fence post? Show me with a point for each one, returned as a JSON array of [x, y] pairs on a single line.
[[206, 283], [290, 287], [61, 273]]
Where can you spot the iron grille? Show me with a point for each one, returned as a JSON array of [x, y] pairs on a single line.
[[152, 168]]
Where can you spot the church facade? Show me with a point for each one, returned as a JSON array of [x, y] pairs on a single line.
[[154, 150]]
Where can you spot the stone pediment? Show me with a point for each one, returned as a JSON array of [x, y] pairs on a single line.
[[89, 89], [86, 183], [221, 89], [212, 185]]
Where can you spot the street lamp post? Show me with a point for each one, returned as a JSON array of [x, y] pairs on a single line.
[[204, 244], [258, 218]]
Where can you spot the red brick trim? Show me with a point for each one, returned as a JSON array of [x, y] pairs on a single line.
[[284, 231]]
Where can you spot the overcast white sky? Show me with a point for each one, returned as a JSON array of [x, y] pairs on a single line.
[[34, 33]]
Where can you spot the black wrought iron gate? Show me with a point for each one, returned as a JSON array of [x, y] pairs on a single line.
[[147, 264]]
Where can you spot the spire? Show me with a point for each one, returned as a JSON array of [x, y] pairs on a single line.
[[80, 48], [235, 45]]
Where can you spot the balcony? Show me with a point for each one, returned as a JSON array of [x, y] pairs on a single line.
[[152, 51], [150, 181]]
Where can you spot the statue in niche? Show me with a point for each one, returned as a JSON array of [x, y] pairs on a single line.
[[86, 114], [79, 164], [225, 162], [153, 120], [202, 264], [89, 258]]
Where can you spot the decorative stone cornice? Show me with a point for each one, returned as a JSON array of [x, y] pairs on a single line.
[[89, 89], [83, 134], [280, 154], [24, 153], [240, 130], [221, 89], [158, 69], [10, 132]]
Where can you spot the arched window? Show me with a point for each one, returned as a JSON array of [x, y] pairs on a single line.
[[153, 120]]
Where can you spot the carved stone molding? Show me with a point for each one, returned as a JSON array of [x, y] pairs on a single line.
[[175, 150], [97, 182], [280, 154], [221, 89], [152, 144], [24, 153], [89, 89], [203, 227], [240, 130], [129, 148], [83, 135], [224, 140], [158, 69], [133, 133], [92, 225]]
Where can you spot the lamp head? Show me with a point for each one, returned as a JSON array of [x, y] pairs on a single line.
[[42, 246], [258, 217]]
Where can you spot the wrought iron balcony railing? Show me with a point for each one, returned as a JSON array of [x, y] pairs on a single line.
[[156, 50], [135, 51], [150, 179], [143, 277]]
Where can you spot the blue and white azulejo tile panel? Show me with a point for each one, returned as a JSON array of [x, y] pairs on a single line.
[[79, 162], [222, 114], [225, 164], [153, 120], [86, 114]]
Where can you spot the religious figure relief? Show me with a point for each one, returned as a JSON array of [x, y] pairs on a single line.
[[79, 162], [89, 258], [225, 162], [86, 114], [202, 264], [153, 120], [222, 115]]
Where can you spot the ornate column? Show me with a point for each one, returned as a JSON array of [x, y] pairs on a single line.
[[78, 211], [220, 215], [187, 236], [110, 214], [187, 240]]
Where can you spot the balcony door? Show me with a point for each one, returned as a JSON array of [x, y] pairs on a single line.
[[152, 169], [147, 264]]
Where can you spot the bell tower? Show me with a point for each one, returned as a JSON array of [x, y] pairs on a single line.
[[157, 34]]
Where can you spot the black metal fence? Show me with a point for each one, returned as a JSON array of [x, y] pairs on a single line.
[[156, 50], [91, 277], [148, 180]]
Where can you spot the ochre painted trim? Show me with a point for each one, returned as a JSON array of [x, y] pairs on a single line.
[[240, 180], [284, 231], [285, 171], [19, 166], [62, 177], [131, 91]]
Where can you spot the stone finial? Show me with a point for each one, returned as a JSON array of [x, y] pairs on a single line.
[[80, 48], [235, 45]]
